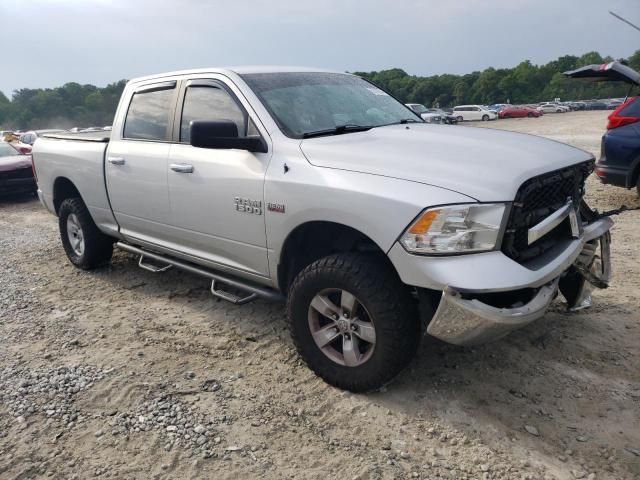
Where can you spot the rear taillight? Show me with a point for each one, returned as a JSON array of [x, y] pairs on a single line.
[[616, 120]]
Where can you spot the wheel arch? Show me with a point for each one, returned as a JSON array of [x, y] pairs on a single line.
[[63, 188], [313, 240]]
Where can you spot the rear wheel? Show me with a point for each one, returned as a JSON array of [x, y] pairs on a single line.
[[353, 321], [85, 245]]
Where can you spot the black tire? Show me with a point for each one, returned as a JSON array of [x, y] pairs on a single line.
[[97, 247], [485, 118], [530, 115], [459, 119], [381, 296]]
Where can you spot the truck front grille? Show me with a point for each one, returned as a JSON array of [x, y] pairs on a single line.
[[537, 198]]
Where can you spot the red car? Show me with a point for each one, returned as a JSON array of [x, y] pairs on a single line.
[[521, 111], [16, 170]]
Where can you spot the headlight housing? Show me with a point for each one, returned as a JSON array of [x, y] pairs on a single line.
[[455, 229]]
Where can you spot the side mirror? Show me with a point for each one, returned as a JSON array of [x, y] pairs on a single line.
[[223, 134]]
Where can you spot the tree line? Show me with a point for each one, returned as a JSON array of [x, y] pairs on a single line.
[[72, 105], [525, 83], [75, 105]]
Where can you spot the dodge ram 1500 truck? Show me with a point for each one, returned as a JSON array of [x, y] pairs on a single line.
[[324, 190]]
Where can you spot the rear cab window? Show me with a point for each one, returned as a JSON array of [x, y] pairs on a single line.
[[149, 113]]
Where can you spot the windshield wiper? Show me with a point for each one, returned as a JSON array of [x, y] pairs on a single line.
[[337, 130]]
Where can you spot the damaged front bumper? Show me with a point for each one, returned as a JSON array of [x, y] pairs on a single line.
[[467, 313]]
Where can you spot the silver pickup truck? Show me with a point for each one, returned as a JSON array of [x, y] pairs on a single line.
[[323, 190]]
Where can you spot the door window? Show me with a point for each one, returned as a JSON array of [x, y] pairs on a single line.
[[210, 103], [148, 115]]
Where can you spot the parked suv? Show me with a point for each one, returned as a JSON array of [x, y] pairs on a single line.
[[619, 162], [319, 189]]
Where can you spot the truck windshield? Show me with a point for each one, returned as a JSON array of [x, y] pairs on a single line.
[[308, 104]]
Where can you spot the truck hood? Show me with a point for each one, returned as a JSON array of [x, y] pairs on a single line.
[[482, 163], [14, 162]]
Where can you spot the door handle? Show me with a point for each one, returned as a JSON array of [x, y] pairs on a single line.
[[115, 160], [181, 167]]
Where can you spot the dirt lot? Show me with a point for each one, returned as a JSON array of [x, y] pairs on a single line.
[[119, 373]]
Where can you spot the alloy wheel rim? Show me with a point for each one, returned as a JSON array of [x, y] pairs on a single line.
[[341, 327], [75, 234]]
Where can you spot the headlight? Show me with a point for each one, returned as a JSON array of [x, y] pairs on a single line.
[[455, 229]]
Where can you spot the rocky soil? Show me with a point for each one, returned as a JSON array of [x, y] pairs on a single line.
[[120, 373]]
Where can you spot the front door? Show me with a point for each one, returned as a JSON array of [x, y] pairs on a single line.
[[216, 195]]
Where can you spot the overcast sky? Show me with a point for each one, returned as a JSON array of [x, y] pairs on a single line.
[[47, 43]]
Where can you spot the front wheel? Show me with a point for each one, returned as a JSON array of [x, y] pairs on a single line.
[[485, 118], [530, 115], [85, 245], [353, 321], [459, 119]]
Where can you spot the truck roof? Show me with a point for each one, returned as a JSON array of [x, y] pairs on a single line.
[[238, 70]]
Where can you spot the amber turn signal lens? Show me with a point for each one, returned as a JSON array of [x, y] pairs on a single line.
[[422, 225]]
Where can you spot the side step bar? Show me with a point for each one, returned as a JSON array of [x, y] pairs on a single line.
[[253, 291]]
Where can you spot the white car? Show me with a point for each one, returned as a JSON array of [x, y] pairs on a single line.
[[473, 112], [425, 113], [552, 108]]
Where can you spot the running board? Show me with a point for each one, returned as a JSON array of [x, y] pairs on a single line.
[[230, 297], [152, 268], [253, 291]]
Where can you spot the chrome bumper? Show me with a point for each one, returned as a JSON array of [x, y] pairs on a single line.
[[471, 322], [463, 320]]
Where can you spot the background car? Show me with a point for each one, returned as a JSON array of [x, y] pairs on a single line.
[[31, 136], [614, 103], [516, 111], [496, 107], [16, 171], [447, 118], [561, 106], [473, 112], [596, 106], [619, 162], [551, 108], [424, 113]]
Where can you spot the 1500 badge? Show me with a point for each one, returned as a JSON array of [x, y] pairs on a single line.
[[247, 205]]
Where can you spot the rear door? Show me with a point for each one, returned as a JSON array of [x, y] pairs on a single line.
[[217, 195], [136, 164]]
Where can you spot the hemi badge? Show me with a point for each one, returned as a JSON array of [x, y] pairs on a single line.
[[275, 207]]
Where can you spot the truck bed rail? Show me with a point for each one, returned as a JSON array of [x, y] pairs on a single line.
[[100, 137]]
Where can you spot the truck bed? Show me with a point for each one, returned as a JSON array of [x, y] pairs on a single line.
[[75, 159]]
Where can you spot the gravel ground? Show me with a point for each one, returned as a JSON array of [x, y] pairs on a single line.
[[118, 373]]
